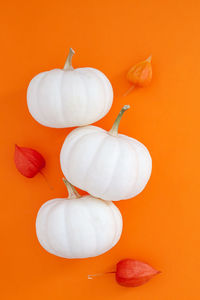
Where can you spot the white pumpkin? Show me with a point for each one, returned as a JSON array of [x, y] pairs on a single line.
[[69, 97], [78, 227], [107, 165]]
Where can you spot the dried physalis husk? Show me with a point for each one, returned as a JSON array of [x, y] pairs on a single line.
[[28, 161], [131, 273], [140, 75]]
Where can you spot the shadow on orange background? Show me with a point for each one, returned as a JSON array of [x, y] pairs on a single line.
[[161, 225]]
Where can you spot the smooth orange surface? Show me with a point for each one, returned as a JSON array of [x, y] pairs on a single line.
[[162, 224]]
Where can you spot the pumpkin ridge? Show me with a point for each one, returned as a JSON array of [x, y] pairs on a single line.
[[57, 203], [103, 79], [100, 79], [85, 111], [138, 161], [46, 206], [66, 218], [70, 154], [128, 195], [144, 148], [91, 221], [38, 97], [61, 102], [115, 226], [53, 250], [35, 95], [114, 168], [70, 151], [119, 227], [71, 217], [93, 159]]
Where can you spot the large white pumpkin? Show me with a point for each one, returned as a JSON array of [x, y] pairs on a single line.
[[107, 165], [69, 97], [78, 227]]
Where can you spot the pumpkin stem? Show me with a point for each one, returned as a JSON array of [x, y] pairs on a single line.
[[100, 274], [68, 63], [72, 192], [114, 129]]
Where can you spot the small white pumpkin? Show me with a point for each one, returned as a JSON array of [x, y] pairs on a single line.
[[107, 165], [78, 227], [69, 97]]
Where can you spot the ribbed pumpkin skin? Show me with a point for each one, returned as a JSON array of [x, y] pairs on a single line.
[[67, 98], [107, 167], [78, 228]]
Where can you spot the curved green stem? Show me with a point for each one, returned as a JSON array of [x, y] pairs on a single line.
[[114, 129], [68, 63], [72, 192]]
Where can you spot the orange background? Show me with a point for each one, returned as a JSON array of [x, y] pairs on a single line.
[[161, 225]]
